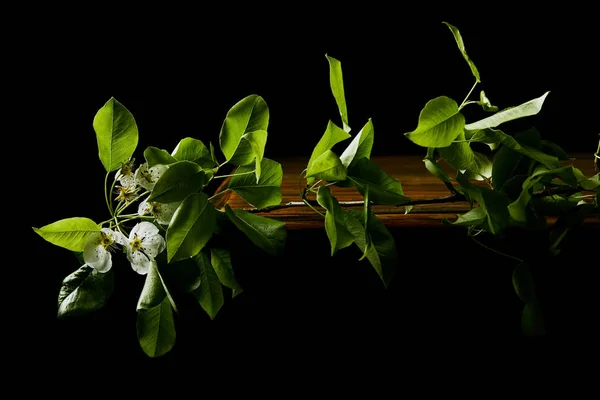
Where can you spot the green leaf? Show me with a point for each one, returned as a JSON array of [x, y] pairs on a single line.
[[360, 146], [485, 103], [194, 150], [499, 137], [461, 47], [383, 188], [493, 203], [153, 292], [568, 174], [266, 192], [434, 168], [180, 276], [555, 150], [327, 167], [335, 226], [459, 154], [191, 227], [481, 168], [526, 109], [474, 217], [266, 233], [220, 260], [382, 252], [509, 163], [69, 233], [440, 122], [156, 329], [531, 319], [336, 82], [178, 182], [248, 115], [333, 135], [252, 148], [210, 293], [155, 156], [116, 134], [83, 291]]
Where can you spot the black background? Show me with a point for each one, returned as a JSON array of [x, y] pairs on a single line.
[[180, 70]]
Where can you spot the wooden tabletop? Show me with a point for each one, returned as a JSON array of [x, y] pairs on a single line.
[[417, 183]]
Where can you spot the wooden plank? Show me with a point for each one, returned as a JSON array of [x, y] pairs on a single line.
[[417, 183]]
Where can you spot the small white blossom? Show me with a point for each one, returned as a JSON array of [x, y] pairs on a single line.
[[143, 245], [96, 253], [147, 177], [163, 212], [126, 175]]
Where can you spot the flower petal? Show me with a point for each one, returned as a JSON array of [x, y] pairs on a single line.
[[153, 245], [96, 256], [145, 229], [140, 262]]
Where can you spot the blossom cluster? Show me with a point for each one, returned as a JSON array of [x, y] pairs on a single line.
[[144, 242]]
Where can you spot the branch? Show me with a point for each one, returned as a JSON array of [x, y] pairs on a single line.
[[438, 200]]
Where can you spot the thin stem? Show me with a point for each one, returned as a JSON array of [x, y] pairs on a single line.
[[219, 194], [492, 249], [464, 102], [106, 197], [439, 200], [313, 208], [228, 175]]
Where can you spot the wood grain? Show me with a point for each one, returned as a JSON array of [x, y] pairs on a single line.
[[417, 183]]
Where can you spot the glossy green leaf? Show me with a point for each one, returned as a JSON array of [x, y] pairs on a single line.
[[481, 167], [474, 217], [181, 276], [248, 115], [266, 233], [194, 150], [335, 226], [436, 170], [382, 253], [220, 260], [266, 192], [459, 154], [555, 150], [440, 123], [153, 292], [116, 134], [156, 329], [327, 167], [499, 137], [333, 135], [336, 82], [210, 293], [69, 233], [191, 227], [251, 148], [383, 188], [83, 291], [526, 109], [568, 174], [461, 47], [493, 203], [178, 182], [155, 156], [361, 145]]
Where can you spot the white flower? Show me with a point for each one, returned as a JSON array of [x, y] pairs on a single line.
[[126, 175], [143, 245], [96, 253], [163, 212], [147, 177]]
